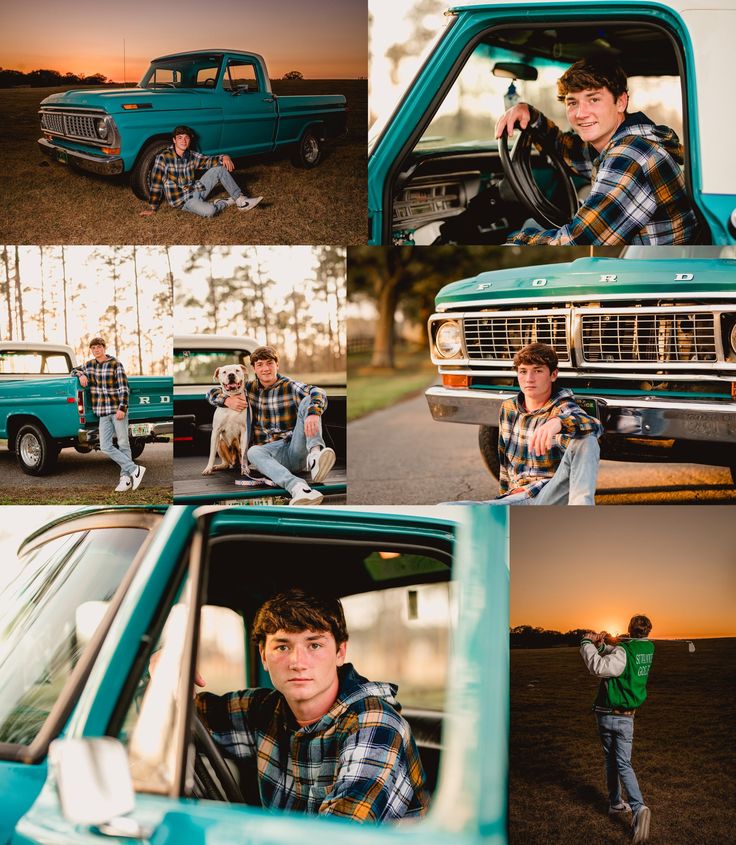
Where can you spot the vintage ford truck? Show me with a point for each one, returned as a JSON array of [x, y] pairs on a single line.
[[436, 174], [224, 95], [196, 357], [649, 346], [43, 408], [94, 747]]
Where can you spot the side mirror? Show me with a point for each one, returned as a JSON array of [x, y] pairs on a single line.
[[92, 779]]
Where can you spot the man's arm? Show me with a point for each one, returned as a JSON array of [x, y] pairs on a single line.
[[121, 382], [216, 397], [203, 162], [226, 718], [81, 373], [376, 779], [601, 660], [575, 422]]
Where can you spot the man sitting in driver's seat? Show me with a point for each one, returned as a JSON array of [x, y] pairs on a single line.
[[325, 740], [638, 193]]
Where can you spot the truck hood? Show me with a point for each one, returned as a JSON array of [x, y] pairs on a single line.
[[112, 99], [591, 277]]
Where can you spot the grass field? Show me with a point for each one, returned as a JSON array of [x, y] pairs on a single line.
[[683, 749], [370, 389], [90, 495], [49, 203]]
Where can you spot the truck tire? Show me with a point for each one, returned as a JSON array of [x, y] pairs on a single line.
[[308, 152], [488, 444], [35, 451], [141, 171], [136, 448]]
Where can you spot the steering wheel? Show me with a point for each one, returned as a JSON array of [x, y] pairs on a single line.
[[518, 171], [227, 789], [210, 83]]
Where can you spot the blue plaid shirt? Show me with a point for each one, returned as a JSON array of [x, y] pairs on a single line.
[[108, 385], [358, 761], [173, 176], [637, 193]]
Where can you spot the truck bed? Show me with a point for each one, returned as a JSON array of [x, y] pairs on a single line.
[[191, 487]]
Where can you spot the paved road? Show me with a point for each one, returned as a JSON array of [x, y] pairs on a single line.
[[402, 456], [92, 470]]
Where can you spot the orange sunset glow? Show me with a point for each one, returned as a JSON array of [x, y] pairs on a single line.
[[323, 39], [597, 567]]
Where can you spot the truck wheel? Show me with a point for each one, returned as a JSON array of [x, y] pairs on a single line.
[[136, 448], [308, 152], [35, 451], [488, 443], [141, 171]]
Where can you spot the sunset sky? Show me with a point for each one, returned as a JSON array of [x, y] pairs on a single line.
[[597, 567], [323, 39]]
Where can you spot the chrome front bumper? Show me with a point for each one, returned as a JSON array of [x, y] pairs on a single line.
[[91, 437], [629, 416], [102, 165]]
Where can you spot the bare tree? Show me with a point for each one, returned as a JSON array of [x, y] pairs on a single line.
[[7, 293], [19, 297], [137, 311], [63, 278], [43, 295]]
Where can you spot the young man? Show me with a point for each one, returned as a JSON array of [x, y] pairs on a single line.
[[108, 386], [286, 428], [624, 670], [325, 739], [638, 193], [547, 446], [173, 176]]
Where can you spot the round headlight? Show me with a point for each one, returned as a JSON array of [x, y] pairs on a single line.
[[733, 337], [101, 128], [448, 339]]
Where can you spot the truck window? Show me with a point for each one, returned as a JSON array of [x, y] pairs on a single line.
[[48, 614], [34, 363], [197, 366], [241, 76]]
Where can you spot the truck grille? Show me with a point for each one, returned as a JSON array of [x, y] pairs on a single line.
[[71, 125], [499, 338], [648, 336]]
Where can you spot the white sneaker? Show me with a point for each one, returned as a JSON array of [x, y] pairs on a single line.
[[640, 825], [320, 462], [243, 203], [304, 495], [617, 809], [138, 476], [124, 484]]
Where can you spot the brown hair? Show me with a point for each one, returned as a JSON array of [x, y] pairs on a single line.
[[97, 341], [295, 611], [264, 353], [183, 130], [593, 72], [640, 626], [536, 354]]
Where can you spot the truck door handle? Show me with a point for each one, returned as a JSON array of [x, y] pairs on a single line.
[[268, 99]]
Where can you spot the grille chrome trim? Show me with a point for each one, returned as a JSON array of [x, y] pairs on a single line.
[[78, 125]]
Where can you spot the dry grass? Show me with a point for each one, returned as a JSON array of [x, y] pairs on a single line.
[[89, 494], [48, 203], [683, 749]]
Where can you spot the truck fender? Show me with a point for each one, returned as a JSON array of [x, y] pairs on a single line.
[[141, 170], [35, 450], [309, 148]]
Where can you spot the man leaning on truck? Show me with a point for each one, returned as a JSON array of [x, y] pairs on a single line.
[[108, 386], [173, 176], [638, 193]]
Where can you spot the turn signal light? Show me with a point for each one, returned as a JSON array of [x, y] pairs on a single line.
[[733, 390], [111, 151], [449, 380]]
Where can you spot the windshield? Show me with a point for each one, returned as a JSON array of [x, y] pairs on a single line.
[[48, 614], [198, 70], [197, 366], [34, 363]]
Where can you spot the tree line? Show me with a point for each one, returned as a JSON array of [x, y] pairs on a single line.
[[45, 78], [527, 636]]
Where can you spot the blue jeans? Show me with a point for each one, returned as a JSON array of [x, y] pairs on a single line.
[[198, 204], [109, 427], [617, 736], [279, 459]]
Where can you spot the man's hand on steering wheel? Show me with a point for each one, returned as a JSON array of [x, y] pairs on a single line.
[[516, 114]]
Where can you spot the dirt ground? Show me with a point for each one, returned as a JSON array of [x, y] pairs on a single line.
[[49, 203], [683, 749]]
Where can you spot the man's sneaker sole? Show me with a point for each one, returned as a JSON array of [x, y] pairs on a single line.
[[301, 499], [125, 488], [252, 203], [324, 462], [641, 825], [137, 477], [623, 807]]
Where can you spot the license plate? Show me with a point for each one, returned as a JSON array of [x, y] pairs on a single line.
[[62, 156], [140, 430], [260, 500], [590, 406]]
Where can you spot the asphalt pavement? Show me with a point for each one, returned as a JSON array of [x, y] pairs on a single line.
[[400, 455]]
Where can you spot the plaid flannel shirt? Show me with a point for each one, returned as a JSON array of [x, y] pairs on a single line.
[[637, 195], [521, 469], [358, 761], [274, 409], [108, 385], [173, 176]]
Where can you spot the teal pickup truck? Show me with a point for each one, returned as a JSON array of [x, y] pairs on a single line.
[[648, 346], [43, 409], [436, 174], [224, 95], [93, 749]]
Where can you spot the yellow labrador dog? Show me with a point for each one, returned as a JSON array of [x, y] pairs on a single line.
[[229, 428]]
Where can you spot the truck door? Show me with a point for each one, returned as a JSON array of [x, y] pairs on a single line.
[[248, 110]]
